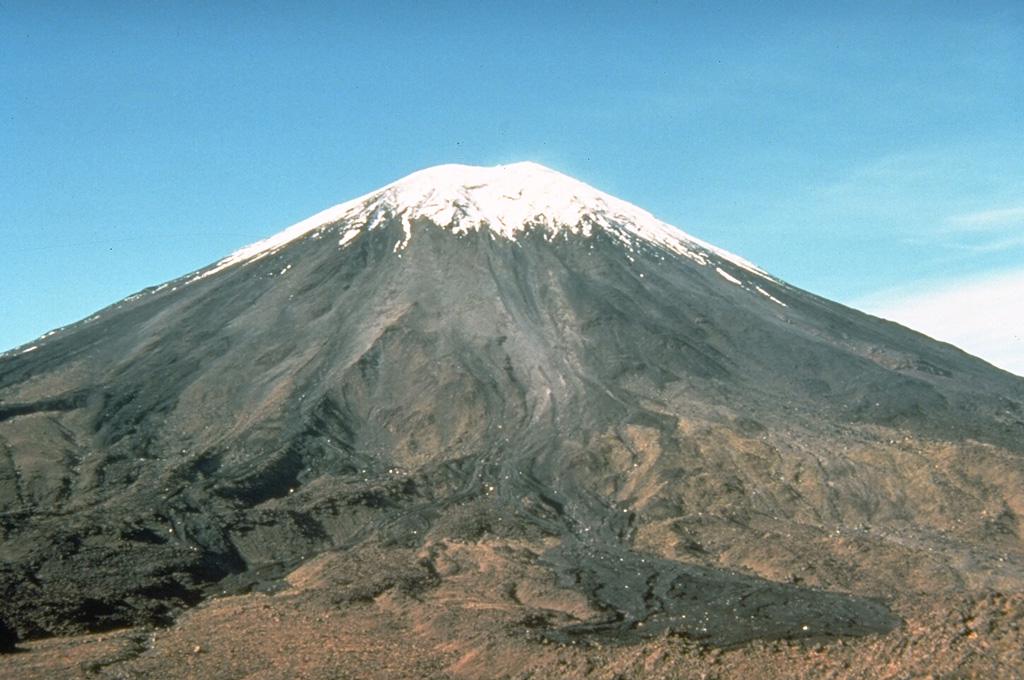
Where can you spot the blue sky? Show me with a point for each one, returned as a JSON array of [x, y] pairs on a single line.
[[868, 152]]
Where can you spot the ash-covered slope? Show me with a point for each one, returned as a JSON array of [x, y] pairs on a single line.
[[505, 355]]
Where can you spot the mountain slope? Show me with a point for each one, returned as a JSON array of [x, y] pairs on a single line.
[[506, 358]]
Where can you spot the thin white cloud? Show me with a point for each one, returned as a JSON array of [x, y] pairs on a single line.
[[995, 245], [982, 315], [990, 219], [986, 231], [906, 188], [953, 191]]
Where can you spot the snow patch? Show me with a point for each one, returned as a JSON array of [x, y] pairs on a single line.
[[771, 297], [728, 277], [274, 243]]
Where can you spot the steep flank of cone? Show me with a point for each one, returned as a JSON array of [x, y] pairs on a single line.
[[625, 433]]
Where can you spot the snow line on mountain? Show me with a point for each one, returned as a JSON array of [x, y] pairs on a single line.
[[505, 199]]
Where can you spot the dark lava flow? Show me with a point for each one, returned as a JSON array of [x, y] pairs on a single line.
[[640, 594]]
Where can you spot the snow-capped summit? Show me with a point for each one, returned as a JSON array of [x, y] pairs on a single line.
[[506, 200], [559, 387]]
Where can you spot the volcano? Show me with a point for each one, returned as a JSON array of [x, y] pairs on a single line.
[[496, 421]]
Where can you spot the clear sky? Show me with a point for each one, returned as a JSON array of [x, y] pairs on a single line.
[[870, 152]]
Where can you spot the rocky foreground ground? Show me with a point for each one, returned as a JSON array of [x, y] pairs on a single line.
[[464, 611]]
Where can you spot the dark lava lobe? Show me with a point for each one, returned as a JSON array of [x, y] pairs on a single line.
[[646, 596], [209, 436]]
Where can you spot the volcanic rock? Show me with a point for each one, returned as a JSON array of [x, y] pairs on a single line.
[[496, 409]]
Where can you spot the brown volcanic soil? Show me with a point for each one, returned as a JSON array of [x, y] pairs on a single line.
[[465, 610], [481, 606]]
